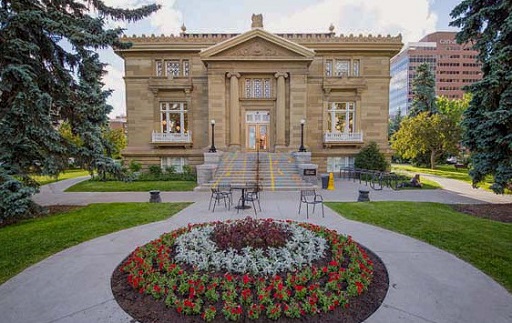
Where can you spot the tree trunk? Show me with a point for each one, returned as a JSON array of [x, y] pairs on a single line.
[[432, 159]]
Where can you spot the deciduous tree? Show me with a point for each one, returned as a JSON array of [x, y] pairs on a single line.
[[433, 134], [50, 73], [487, 25]]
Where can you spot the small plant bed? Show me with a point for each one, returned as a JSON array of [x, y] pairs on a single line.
[[134, 186], [250, 270], [67, 174]]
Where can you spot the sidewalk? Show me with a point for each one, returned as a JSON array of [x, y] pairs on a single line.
[[426, 284]]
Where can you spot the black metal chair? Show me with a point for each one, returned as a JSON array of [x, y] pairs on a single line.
[[251, 194], [226, 189], [218, 195], [311, 197]]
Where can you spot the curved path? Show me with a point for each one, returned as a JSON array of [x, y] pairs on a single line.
[[426, 284]]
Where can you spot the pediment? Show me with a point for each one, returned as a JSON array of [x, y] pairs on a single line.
[[257, 45]]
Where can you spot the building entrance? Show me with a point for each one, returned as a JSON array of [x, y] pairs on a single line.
[[257, 126]]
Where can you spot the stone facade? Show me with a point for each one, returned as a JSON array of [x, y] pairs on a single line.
[[257, 86]]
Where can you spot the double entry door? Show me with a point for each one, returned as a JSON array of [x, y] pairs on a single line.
[[257, 126]]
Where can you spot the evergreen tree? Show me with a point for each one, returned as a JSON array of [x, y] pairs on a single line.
[[394, 123], [49, 74], [487, 24], [370, 157], [423, 91]]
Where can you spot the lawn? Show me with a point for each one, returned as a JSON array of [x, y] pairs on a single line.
[[448, 171], [484, 243], [70, 173], [135, 186], [31, 241]]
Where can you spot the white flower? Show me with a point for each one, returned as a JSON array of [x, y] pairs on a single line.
[[196, 248]]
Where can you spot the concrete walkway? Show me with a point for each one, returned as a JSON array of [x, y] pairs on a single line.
[[426, 284]]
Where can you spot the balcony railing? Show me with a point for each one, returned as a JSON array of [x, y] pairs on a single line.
[[158, 137], [343, 137]]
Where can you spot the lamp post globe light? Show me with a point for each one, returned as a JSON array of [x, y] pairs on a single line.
[[302, 148], [212, 148]]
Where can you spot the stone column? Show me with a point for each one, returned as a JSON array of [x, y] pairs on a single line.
[[280, 109], [234, 111]]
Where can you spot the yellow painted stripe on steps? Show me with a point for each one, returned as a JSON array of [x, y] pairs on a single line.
[[227, 172], [272, 179]]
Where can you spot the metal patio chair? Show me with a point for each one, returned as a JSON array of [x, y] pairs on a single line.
[[311, 197]]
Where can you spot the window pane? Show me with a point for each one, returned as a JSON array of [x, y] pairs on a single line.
[[164, 122], [159, 71], [173, 68], [163, 106], [174, 125], [329, 122], [328, 67], [248, 88], [267, 88], [258, 92], [342, 67], [185, 125], [186, 68], [355, 67], [175, 106]]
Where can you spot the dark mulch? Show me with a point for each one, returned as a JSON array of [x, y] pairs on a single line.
[[145, 308], [55, 209], [495, 212]]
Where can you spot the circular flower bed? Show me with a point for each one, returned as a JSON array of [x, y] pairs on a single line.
[[250, 270]]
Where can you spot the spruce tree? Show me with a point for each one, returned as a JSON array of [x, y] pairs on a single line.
[[423, 91], [50, 74], [487, 24]]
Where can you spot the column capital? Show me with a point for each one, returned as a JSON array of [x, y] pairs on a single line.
[[279, 74], [233, 74]]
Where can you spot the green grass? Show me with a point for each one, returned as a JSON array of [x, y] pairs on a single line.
[[31, 241], [447, 171], [71, 173], [135, 186], [484, 243]]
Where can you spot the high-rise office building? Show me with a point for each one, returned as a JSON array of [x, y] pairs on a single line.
[[453, 65]]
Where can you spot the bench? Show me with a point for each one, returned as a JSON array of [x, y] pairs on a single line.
[[457, 166]]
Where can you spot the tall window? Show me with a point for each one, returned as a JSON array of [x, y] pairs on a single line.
[[341, 117], [342, 67], [175, 162], [174, 68], [174, 117], [258, 88]]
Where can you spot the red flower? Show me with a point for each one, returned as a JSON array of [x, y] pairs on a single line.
[[333, 263], [359, 286], [229, 277], [179, 309], [299, 288], [188, 303], [156, 288], [246, 279]]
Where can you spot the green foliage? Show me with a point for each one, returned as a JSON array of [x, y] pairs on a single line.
[[371, 158], [453, 108], [435, 134], [49, 74], [423, 91], [486, 24], [155, 170], [394, 123], [133, 186], [15, 202], [135, 166], [116, 140], [483, 243], [31, 241]]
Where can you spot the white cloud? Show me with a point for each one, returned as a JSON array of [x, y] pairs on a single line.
[[412, 18], [114, 80], [167, 20]]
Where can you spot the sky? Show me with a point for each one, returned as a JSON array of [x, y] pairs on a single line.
[[411, 18]]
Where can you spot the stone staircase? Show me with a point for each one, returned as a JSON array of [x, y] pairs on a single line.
[[277, 171]]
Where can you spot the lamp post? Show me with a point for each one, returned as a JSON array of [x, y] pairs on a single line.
[[301, 148], [212, 148]]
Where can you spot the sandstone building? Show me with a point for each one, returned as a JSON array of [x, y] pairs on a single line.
[[256, 87]]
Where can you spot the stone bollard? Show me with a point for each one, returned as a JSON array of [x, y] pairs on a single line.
[[154, 197], [363, 196]]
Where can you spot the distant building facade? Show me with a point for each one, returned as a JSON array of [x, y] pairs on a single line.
[[119, 122], [453, 65], [256, 88]]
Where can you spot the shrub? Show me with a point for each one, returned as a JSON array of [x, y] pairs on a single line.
[[155, 170], [135, 166], [371, 158]]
